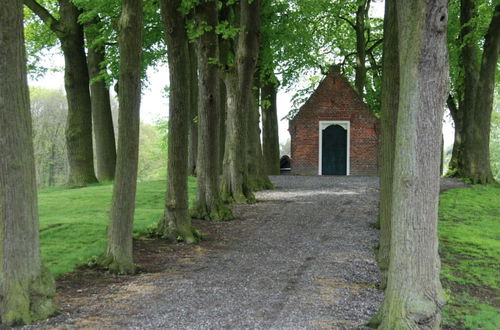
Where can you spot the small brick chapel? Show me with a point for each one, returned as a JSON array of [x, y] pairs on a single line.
[[334, 132]]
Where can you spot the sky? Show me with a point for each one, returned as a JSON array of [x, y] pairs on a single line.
[[154, 103]]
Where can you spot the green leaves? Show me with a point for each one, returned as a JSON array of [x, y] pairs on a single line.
[[226, 31], [197, 29]]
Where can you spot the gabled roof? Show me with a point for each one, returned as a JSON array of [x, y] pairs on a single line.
[[335, 89]]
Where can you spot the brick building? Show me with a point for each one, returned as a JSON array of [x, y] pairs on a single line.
[[334, 132]]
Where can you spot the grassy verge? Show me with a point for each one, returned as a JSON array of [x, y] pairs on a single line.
[[73, 222], [469, 232]]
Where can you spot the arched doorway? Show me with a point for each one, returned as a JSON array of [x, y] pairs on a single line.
[[334, 148]]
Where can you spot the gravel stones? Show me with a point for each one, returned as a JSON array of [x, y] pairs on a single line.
[[303, 259]]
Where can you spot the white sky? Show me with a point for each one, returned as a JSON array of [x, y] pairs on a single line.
[[154, 103]]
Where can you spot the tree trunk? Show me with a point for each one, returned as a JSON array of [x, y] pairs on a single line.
[[239, 82], [52, 171], [118, 257], [224, 48], [470, 158], [360, 29], [208, 204], [258, 179], [457, 159], [176, 222], [76, 82], [414, 295], [193, 110], [388, 121], [101, 114], [27, 287], [477, 141], [270, 136]]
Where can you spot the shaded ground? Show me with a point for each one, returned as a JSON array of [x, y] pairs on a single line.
[[302, 257]]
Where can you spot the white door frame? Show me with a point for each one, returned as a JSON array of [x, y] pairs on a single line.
[[344, 124]]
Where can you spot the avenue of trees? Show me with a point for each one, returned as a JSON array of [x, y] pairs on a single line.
[[227, 59]]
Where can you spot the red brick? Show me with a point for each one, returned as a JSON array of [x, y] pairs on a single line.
[[334, 99]]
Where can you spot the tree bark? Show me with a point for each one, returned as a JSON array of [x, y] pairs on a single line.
[[472, 118], [101, 114], [76, 82], [477, 141], [224, 49], [270, 136], [193, 110], [388, 123], [177, 223], [208, 203], [360, 29], [457, 159], [239, 82], [118, 257], [27, 287], [414, 295], [258, 179]]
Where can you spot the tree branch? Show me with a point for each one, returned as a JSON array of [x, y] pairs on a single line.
[[44, 15], [348, 21], [372, 47]]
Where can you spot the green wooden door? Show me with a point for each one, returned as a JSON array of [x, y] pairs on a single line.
[[334, 151]]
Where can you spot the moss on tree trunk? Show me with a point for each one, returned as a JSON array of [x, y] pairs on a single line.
[[118, 257], [76, 82], [27, 288], [177, 223], [414, 296], [258, 179], [388, 120], [239, 82], [208, 203], [105, 144]]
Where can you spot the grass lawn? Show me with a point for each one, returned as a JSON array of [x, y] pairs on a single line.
[[73, 222], [469, 232]]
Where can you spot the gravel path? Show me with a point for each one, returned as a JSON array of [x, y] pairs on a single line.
[[301, 258]]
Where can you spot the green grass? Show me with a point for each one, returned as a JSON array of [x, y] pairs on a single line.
[[73, 222], [469, 232]]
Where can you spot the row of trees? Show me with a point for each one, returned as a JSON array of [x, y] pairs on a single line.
[[223, 59], [49, 111]]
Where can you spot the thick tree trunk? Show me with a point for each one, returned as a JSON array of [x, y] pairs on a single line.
[[258, 179], [101, 115], [477, 141], [239, 82], [193, 110], [27, 288], [118, 257], [414, 296], [470, 158], [176, 222], [76, 82], [270, 136], [208, 204], [388, 121]]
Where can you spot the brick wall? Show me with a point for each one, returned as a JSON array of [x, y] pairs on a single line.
[[334, 100]]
